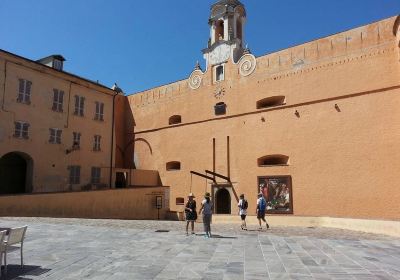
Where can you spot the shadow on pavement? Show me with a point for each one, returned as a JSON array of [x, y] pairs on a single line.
[[16, 272]]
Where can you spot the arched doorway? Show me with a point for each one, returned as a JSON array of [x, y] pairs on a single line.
[[223, 201], [15, 173]]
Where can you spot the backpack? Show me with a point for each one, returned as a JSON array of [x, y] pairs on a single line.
[[262, 205], [244, 204]]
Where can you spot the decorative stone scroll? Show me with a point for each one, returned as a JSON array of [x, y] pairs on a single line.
[[195, 79], [247, 65]]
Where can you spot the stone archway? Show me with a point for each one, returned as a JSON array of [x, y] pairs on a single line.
[[223, 201], [16, 171]]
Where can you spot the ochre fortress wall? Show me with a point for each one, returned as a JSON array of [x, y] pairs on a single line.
[[339, 126]]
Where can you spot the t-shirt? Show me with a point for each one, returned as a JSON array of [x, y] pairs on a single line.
[[260, 202], [207, 207], [241, 210]]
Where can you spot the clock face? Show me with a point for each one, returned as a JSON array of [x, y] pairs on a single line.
[[220, 54]]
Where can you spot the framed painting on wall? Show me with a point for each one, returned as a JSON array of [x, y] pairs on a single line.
[[277, 191]]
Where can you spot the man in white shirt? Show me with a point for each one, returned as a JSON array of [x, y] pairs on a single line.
[[243, 205]]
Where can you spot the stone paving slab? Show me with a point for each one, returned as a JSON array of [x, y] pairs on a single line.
[[112, 249]]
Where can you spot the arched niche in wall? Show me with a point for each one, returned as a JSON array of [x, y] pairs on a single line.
[[396, 30], [173, 166], [271, 102], [176, 119], [271, 160]]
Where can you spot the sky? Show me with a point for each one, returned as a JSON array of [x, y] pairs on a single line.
[[144, 44]]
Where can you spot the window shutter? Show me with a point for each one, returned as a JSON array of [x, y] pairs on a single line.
[[59, 131], [25, 128], [61, 100], [55, 99], [21, 90], [101, 111], [28, 91], [52, 136], [76, 104], [82, 104]]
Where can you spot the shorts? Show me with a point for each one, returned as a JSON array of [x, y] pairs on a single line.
[[243, 217], [261, 215]]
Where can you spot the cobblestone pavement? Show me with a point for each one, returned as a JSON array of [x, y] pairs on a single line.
[[113, 249]]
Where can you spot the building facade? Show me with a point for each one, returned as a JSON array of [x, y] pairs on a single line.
[[313, 127], [55, 128]]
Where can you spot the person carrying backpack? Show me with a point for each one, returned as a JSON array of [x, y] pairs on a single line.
[[260, 210], [243, 205]]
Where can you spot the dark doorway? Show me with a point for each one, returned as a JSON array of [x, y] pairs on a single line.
[[15, 173], [223, 201], [120, 180]]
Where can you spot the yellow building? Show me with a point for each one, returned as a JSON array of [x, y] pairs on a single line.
[[55, 128]]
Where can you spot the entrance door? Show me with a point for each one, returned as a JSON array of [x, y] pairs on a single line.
[[223, 201], [14, 174], [120, 180]]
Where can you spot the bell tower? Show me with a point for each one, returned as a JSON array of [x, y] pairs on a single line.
[[226, 41]]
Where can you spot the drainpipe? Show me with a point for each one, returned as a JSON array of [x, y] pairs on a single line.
[[112, 139]]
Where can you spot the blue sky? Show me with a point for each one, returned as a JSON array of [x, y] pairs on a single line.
[[143, 44]]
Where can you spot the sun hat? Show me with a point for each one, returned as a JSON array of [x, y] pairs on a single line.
[[207, 194], [191, 195]]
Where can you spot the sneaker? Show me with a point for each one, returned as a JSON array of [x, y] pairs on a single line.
[[267, 225], [242, 227]]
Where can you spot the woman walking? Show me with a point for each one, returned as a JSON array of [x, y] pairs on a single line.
[[207, 208], [191, 213]]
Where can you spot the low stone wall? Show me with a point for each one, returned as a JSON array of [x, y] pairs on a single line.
[[133, 203]]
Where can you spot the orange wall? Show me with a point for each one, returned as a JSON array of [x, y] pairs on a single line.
[[137, 203], [343, 164]]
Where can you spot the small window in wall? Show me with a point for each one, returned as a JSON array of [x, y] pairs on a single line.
[[58, 100], [96, 175], [173, 165], [79, 105], [180, 201], [24, 92], [272, 160], [74, 174], [219, 73], [96, 143], [220, 108], [175, 120], [55, 136], [271, 102], [99, 114], [21, 130]]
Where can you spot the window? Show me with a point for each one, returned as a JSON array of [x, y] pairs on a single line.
[[55, 136], [57, 64], [175, 120], [271, 102], [79, 105], [273, 160], [180, 201], [21, 130], [58, 99], [219, 31], [277, 192], [173, 165], [219, 73], [24, 93], [96, 144], [220, 108], [99, 115], [74, 174], [76, 140], [96, 175]]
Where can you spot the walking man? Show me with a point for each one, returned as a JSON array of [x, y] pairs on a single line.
[[243, 205], [260, 210]]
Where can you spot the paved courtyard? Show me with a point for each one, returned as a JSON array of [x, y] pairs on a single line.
[[112, 249]]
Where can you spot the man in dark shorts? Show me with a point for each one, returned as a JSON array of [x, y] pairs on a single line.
[[260, 210], [242, 205]]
